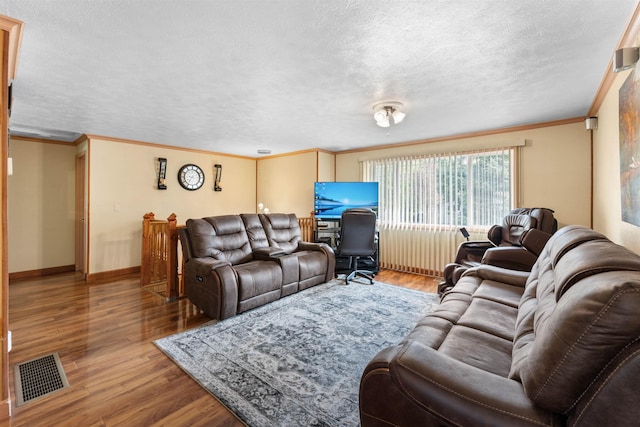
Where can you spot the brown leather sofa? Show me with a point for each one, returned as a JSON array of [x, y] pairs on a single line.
[[234, 263], [557, 346]]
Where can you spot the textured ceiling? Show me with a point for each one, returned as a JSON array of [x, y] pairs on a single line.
[[237, 76]]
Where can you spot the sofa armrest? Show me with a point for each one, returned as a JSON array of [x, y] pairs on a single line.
[[510, 257], [499, 274], [463, 394], [472, 251], [534, 240], [268, 253], [212, 286], [495, 234], [308, 246], [205, 266]]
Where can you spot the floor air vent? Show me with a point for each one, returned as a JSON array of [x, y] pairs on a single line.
[[38, 378]]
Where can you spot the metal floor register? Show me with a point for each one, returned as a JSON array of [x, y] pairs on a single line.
[[38, 378]]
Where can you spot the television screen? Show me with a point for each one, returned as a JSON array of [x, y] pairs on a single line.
[[331, 198]]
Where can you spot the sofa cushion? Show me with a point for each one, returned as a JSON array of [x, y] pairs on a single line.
[[491, 317], [259, 282], [499, 292], [200, 234], [221, 237], [255, 231], [476, 314], [282, 230], [591, 258], [568, 238], [312, 267], [490, 353]]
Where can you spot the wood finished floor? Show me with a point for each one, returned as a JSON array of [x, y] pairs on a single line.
[[104, 335]]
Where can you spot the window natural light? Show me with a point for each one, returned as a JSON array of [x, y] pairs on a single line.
[[471, 189]]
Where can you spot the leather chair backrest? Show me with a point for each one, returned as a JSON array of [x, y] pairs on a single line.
[[513, 226], [221, 237], [545, 221], [255, 231], [518, 221], [282, 230], [357, 232]]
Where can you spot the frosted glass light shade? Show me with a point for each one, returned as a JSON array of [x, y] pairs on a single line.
[[398, 116]]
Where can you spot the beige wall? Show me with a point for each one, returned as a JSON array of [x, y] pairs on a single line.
[[555, 166], [555, 173], [285, 183], [123, 187], [607, 216], [41, 210], [326, 166]]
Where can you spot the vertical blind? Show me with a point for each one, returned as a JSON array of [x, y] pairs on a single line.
[[444, 190]]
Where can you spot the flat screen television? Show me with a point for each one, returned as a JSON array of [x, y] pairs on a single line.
[[331, 198]]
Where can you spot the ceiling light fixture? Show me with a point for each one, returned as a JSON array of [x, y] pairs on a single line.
[[386, 113], [625, 58]]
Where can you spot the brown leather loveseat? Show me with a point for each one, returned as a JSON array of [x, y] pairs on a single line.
[[557, 346], [234, 263]]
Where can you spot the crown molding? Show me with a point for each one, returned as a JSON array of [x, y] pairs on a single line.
[[629, 38]]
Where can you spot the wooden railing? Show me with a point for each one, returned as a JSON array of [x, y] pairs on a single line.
[[159, 261], [307, 227]]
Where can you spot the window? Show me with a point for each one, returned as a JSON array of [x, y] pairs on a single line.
[[455, 189]]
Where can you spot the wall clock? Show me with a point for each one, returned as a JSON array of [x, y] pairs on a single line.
[[190, 177]]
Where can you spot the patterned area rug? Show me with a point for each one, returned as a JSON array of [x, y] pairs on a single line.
[[298, 361]]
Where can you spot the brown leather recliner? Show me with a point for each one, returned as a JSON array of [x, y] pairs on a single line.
[[515, 244]]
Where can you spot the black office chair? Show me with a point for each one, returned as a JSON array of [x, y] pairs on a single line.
[[357, 240]]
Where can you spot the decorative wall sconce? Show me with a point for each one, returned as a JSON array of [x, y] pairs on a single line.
[[162, 174], [216, 182], [625, 58]]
